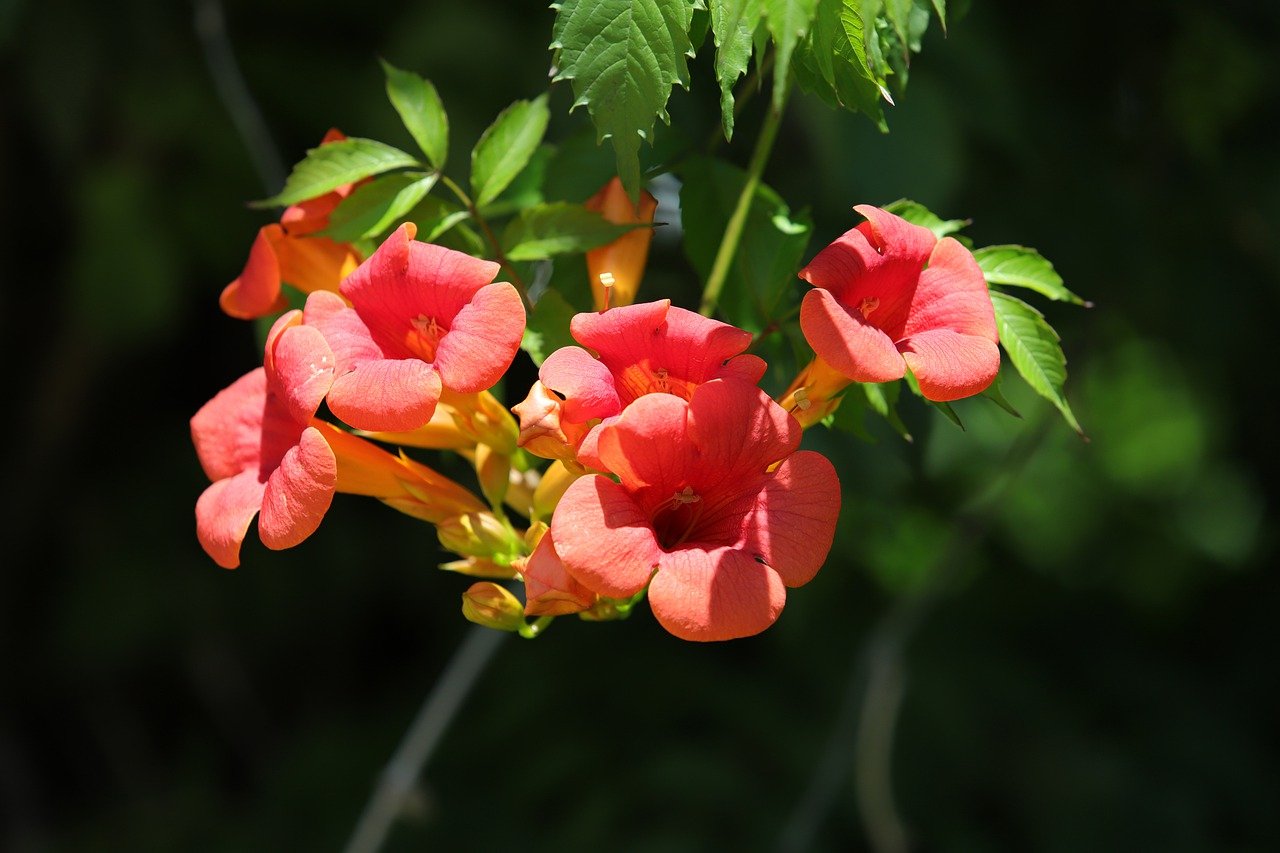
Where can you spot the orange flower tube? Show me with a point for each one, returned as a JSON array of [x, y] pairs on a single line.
[[615, 269]]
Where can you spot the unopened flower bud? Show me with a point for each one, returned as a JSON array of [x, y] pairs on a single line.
[[492, 606], [493, 470], [554, 483], [478, 534], [542, 432], [479, 567]]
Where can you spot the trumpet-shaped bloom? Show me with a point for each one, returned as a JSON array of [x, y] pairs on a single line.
[[422, 318], [713, 504], [549, 589], [889, 295], [641, 349], [616, 268], [290, 251], [255, 444]]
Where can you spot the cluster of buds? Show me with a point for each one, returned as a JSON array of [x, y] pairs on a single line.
[[673, 476]]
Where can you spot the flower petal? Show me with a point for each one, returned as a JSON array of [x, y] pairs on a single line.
[[721, 594], [739, 432], [313, 264], [948, 365], [223, 514], [847, 342], [952, 295], [584, 382], [549, 589], [345, 333], [482, 339], [298, 493], [299, 365], [603, 538], [227, 431], [794, 520], [256, 292], [386, 395], [648, 447]]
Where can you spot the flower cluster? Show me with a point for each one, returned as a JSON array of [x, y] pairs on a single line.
[[672, 475]]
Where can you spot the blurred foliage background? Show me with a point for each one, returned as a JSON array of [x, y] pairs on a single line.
[[1076, 641]]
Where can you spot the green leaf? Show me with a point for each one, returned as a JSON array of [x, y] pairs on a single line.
[[733, 22], [917, 214], [328, 167], [443, 222], [832, 63], [419, 106], [1018, 266], [788, 22], [374, 206], [940, 8], [883, 398], [762, 277], [1033, 347], [526, 189], [506, 146], [623, 57], [995, 395], [547, 329], [555, 229]]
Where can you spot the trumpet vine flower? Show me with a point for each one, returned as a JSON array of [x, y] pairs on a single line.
[[889, 295], [714, 510], [422, 318], [642, 349]]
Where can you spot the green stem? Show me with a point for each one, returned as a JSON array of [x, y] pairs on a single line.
[[498, 254], [530, 631], [733, 231]]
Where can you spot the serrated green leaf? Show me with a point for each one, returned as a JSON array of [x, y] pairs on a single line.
[[788, 22], [374, 206], [421, 110], [1033, 347], [328, 167], [623, 57], [547, 329], [733, 22], [506, 146], [763, 273], [555, 229], [1018, 266], [917, 214]]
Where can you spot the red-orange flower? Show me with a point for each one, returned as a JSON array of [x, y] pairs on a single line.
[[422, 318], [290, 251], [616, 269], [642, 349], [714, 510], [889, 295]]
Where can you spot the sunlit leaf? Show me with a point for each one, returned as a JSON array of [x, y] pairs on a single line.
[[329, 166], [547, 329], [733, 22], [375, 206], [622, 58], [421, 110], [917, 214], [1018, 266], [1033, 347], [788, 22], [506, 147]]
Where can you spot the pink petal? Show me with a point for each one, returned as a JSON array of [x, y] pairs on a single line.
[[648, 447], [873, 270], [298, 493], [343, 330], [738, 432], [223, 514], [227, 431], [721, 594], [584, 382], [549, 589], [847, 342], [405, 280], [952, 295], [604, 538], [794, 520], [386, 395], [948, 365], [256, 292], [482, 339], [299, 365]]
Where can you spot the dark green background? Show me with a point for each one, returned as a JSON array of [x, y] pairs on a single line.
[[1098, 671]]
